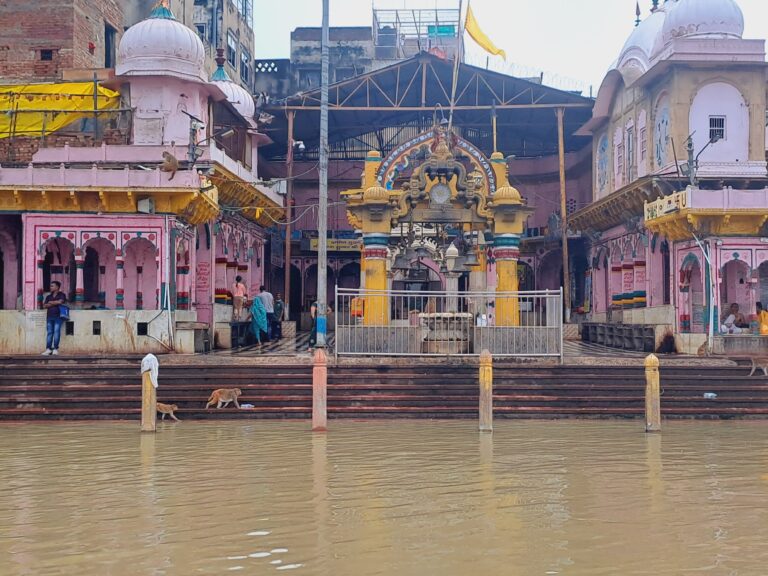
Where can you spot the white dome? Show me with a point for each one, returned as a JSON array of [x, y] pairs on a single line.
[[161, 46], [644, 36], [239, 97], [704, 19]]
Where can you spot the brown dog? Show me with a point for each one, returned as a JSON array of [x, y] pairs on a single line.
[[760, 362], [167, 409], [223, 396]]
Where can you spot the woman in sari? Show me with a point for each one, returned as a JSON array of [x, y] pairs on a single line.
[[258, 319]]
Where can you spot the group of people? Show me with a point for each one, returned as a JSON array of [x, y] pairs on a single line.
[[266, 311], [734, 322]]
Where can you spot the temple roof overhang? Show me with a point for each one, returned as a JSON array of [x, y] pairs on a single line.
[[702, 213], [617, 208]]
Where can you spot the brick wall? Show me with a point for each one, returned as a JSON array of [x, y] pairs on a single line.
[[21, 150], [26, 28], [65, 27]]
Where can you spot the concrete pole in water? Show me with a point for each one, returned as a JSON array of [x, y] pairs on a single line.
[[322, 212], [652, 395], [319, 392], [486, 392]]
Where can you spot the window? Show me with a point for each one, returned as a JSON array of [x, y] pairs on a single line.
[[245, 66], [142, 328], [110, 35], [96, 328], [231, 50], [202, 32], [643, 144], [248, 12], [717, 127], [620, 161], [630, 154], [309, 79], [46, 55]]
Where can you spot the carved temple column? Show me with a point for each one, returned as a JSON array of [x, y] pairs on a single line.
[[79, 279], [119, 287], [509, 215]]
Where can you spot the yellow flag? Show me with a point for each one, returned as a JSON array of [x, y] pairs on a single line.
[[479, 36]]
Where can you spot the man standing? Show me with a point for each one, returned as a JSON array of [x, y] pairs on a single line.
[[279, 311], [52, 303], [269, 305]]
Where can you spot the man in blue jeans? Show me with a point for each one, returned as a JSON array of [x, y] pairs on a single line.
[[53, 326]]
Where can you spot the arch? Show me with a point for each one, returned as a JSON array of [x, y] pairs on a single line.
[[9, 272], [693, 308], [661, 131], [58, 255], [400, 158], [310, 285], [715, 102], [349, 275], [619, 158], [602, 165], [526, 278], [550, 271], [100, 273], [735, 287], [276, 285], [762, 283], [141, 283]]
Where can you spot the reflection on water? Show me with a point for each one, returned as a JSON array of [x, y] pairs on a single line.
[[404, 498]]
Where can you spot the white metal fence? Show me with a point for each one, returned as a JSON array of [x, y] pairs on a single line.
[[410, 323]]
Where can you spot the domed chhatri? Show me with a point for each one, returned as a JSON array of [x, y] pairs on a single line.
[[645, 36], [704, 19], [161, 46], [236, 95]]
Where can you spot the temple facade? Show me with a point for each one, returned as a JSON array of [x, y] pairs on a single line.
[[677, 224], [138, 195]]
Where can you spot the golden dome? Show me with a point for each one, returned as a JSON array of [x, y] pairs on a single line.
[[376, 195], [507, 195]]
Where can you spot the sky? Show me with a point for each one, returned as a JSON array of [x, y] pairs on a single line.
[[573, 42]]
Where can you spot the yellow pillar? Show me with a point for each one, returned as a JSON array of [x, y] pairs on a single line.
[[486, 392], [507, 307], [376, 310]]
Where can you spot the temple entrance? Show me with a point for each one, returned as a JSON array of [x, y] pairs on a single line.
[[10, 262]]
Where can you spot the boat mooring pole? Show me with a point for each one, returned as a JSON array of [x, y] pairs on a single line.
[[486, 392], [652, 395]]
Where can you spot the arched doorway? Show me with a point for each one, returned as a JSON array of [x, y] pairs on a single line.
[[735, 287], [277, 284], [693, 309], [141, 275], [59, 264], [762, 287], [9, 272], [349, 275], [99, 274], [310, 286], [550, 272]]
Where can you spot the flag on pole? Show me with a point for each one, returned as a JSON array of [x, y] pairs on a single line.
[[479, 36]]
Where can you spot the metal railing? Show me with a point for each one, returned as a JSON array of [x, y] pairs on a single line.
[[431, 323]]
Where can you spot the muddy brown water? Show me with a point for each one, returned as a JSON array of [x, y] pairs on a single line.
[[384, 498]]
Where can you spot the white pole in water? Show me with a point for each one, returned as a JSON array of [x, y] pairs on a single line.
[[322, 224]]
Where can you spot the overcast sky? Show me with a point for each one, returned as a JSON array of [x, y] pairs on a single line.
[[572, 41]]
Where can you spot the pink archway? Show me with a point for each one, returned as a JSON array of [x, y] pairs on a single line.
[[141, 275], [99, 273]]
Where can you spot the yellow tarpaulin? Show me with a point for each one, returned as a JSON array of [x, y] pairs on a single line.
[[34, 109]]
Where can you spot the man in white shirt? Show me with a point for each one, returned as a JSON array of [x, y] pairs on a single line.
[[269, 304]]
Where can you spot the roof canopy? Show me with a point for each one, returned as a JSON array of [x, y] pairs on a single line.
[[383, 108]]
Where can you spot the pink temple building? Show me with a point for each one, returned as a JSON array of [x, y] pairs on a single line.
[[145, 212]]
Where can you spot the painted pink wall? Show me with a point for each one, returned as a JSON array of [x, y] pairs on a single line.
[[203, 277], [720, 99], [79, 229]]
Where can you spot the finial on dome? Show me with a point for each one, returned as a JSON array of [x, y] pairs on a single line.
[[637, 14], [655, 5], [220, 75], [162, 11]]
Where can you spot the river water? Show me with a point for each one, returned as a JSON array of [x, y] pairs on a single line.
[[384, 498]]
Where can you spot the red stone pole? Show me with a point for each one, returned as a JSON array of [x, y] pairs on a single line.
[[319, 392]]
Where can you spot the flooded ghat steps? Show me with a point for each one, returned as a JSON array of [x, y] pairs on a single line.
[[37, 389]]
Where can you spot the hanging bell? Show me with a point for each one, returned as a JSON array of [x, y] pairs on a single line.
[[401, 262], [471, 260]]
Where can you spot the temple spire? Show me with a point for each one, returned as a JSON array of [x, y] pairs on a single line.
[[220, 75], [637, 14], [162, 11]]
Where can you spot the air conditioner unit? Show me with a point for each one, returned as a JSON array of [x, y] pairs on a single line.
[[146, 206]]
